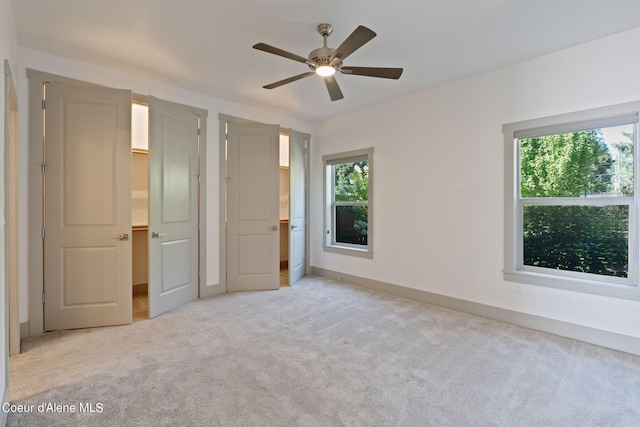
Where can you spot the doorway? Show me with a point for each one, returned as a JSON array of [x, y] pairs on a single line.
[[264, 205], [284, 209], [293, 206], [164, 201], [140, 210], [172, 245]]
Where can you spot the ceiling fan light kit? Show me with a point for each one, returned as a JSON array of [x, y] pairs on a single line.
[[325, 61], [325, 70]]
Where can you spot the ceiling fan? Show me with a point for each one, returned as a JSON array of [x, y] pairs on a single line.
[[325, 61]]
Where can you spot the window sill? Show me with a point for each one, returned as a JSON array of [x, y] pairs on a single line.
[[594, 287], [343, 250]]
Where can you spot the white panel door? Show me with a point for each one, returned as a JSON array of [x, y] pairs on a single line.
[[253, 214], [173, 206], [297, 231], [87, 251]]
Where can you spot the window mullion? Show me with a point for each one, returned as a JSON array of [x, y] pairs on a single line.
[[578, 201], [349, 203]]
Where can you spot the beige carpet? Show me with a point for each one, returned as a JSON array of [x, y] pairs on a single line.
[[321, 353]]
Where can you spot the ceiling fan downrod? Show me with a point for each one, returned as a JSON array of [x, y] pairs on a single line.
[[325, 31]]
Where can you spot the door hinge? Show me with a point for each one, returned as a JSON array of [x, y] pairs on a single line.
[[199, 133], [43, 168], [43, 104], [42, 233], [43, 297], [198, 226]]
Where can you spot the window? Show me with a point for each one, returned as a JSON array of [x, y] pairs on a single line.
[[571, 202], [348, 207]]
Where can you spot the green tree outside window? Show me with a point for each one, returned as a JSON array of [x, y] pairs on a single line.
[[352, 185], [590, 239]]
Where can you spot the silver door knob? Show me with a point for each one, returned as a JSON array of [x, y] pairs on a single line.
[[274, 228], [294, 226], [156, 235], [122, 236]]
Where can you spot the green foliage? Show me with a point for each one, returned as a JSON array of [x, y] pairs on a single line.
[[352, 184], [589, 239], [567, 165], [624, 166], [352, 181]]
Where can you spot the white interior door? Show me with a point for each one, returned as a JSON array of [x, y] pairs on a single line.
[[173, 206], [253, 214], [297, 223], [87, 251]]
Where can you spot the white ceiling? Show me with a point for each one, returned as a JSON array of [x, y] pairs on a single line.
[[205, 45]]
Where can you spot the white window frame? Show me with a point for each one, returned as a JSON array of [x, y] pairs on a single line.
[[514, 268], [330, 245]]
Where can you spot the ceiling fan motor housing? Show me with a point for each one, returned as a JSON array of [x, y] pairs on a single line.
[[321, 57]]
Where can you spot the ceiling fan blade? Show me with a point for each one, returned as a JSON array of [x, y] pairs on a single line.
[[270, 49], [334, 90], [356, 40], [385, 73], [289, 80]]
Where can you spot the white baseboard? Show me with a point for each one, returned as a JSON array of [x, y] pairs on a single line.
[[211, 290], [24, 330], [595, 336]]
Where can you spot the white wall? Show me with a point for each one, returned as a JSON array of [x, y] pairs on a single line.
[[8, 50], [438, 213], [56, 65]]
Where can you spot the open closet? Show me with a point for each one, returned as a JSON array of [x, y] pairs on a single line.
[[140, 210], [284, 210], [263, 199], [84, 194]]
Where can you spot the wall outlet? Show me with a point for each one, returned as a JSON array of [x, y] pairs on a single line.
[[518, 289]]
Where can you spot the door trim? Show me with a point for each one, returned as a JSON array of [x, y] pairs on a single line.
[[9, 301], [224, 118], [12, 250], [36, 207]]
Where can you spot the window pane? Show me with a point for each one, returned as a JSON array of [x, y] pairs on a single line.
[[589, 239], [352, 224], [580, 164], [351, 181]]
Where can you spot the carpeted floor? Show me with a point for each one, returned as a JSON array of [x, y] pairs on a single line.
[[321, 353]]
